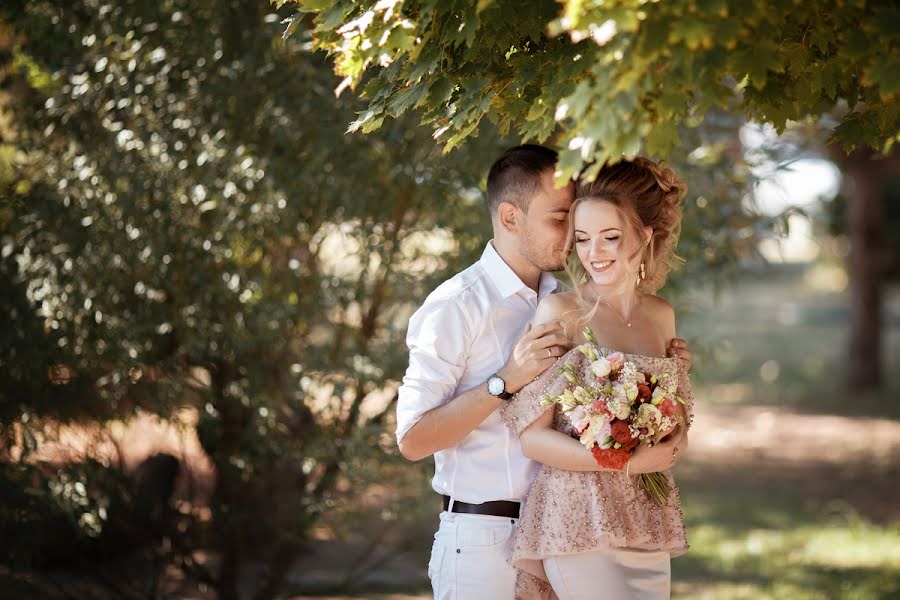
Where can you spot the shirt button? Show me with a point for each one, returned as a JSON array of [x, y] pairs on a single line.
[[458, 550]]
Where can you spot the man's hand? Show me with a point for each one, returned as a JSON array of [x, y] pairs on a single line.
[[533, 354], [679, 348]]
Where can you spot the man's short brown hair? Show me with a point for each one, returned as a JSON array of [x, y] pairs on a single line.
[[516, 176]]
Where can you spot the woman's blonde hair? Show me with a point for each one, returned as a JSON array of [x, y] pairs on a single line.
[[646, 194]]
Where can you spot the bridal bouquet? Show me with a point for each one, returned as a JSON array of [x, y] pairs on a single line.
[[618, 409]]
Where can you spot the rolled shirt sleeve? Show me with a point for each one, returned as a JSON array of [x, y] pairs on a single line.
[[438, 339]]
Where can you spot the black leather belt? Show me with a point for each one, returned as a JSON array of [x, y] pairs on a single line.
[[497, 508]]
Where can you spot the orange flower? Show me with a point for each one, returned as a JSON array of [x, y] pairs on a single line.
[[610, 457]]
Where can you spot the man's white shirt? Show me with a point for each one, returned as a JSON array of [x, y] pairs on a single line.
[[462, 334]]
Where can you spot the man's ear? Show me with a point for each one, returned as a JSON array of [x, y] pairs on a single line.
[[510, 217]]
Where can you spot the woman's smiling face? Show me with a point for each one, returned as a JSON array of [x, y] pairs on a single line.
[[604, 246]]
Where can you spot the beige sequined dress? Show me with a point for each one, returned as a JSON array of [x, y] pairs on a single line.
[[569, 512]]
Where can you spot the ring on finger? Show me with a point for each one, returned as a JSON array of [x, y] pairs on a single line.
[[549, 353]]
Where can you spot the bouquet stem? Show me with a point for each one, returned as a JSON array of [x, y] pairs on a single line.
[[656, 485]]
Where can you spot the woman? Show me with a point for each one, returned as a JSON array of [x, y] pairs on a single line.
[[592, 532]]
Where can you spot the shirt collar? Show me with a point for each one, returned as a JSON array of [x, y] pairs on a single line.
[[548, 284], [506, 280]]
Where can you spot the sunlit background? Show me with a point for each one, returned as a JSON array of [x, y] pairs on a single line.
[[206, 284]]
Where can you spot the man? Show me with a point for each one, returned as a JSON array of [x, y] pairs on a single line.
[[472, 347]]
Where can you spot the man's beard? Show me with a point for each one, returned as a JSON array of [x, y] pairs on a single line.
[[539, 256]]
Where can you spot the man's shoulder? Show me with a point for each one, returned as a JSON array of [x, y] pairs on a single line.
[[464, 287]]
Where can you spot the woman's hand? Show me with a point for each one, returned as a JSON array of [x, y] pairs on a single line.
[[660, 457]]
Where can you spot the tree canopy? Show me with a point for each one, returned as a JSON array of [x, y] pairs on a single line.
[[611, 78]]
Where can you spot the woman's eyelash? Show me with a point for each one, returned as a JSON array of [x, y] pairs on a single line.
[[608, 239]]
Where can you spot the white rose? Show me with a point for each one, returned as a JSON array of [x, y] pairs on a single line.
[[619, 407], [580, 418], [601, 367], [631, 391], [600, 428], [649, 415]]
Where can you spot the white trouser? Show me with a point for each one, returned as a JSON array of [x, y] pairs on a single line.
[[468, 558], [610, 574]]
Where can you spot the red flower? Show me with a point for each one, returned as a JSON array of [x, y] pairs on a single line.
[[644, 392], [610, 457], [667, 407], [630, 445], [620, 431]]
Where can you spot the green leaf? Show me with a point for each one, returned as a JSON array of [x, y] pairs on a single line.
[[483, 5], [855, 44], [662, 139], [695, 34], [885, 75], [796, 56], [405, 99], [755, 61]]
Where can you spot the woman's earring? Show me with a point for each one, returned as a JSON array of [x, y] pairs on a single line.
[[643, 271]]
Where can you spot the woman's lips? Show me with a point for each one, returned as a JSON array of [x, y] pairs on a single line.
[[599, 266]]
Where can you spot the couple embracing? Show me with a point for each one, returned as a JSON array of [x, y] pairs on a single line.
[[531, 510]]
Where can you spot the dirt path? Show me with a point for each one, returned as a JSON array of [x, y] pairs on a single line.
[[852, 459]]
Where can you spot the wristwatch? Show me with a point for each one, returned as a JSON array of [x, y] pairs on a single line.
[[497, 387]]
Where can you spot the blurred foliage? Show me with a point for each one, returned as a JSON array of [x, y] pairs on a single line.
[[69, 506], [184, 221], [611, 78]]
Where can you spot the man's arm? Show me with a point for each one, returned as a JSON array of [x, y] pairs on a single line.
[[449, 422]]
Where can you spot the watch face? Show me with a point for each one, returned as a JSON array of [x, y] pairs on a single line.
[[496, 385]]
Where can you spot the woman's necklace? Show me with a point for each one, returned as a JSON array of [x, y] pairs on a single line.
[[626, 320]]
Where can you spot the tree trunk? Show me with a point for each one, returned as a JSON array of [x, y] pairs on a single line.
[[866, 233]]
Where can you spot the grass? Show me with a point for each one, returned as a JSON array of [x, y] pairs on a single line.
[[752, 543]]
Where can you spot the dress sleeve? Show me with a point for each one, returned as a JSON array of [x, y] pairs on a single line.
[[525, 407]]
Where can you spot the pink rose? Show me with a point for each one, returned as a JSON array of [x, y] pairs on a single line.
[[667, 407]]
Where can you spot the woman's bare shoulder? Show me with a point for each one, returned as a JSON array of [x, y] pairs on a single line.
[[658, 305], [662, 312], [556, 307]]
